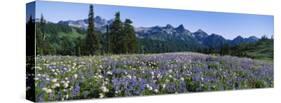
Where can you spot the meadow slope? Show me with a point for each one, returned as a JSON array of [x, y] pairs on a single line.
[[71, 77]]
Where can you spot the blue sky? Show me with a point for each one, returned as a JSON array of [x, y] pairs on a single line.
[[30, 11], [229, 25]]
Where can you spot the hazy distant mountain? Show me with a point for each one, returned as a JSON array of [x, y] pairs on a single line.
[[214, 41], [240, 39], [168, 33], [100, 23], [200, 35]]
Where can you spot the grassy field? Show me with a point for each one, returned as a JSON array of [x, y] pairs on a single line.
[[70, 77]]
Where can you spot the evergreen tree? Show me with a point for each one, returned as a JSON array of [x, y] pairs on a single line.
[[106, 40], [225, 50], [264, 37], [92, 43], [131, 40], [42, 26], [116, 44], [40, 37], [78, 45]]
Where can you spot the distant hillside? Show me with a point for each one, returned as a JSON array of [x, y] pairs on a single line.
[[168, 36], [62, 39], [262, 49], [156, 39]]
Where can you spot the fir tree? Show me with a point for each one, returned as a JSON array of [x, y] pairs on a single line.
[[116, 44], [131, 40], [40, 37], [92, 45], [106, 42]]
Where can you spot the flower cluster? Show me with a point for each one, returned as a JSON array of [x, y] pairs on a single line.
[[67, 77]]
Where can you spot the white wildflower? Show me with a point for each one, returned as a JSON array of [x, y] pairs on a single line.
[[36, 78], [148, 86], [152, 73], [75, 76], [129, 76], [158, 75], [66, 96], [48, 79], [170, 71], [156, 90], [55, 85], [101, 66], [54, 80], [109, 72], [184, 67], [39, 68], [101, 95], [38, 75], [182, 79], [170, 76], [47, 90], [100, 76], [65, 85], [44, 89], [104, 89], [164, 85], [44, 75]]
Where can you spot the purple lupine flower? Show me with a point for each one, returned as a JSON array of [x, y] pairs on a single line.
[[76, 90]]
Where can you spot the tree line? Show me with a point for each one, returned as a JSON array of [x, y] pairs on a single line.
[[119, 38], [261, 49]]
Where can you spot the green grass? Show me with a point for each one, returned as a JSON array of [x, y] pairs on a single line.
[[261, 50]]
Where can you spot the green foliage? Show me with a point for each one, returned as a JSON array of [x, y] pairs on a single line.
[[121, 37], [161, 46], [42, 44], [59, 40], [130, 39], [116, 37], [92, 43], [262, 49], [225, 49]]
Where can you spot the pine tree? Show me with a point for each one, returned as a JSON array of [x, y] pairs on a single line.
[[42, 26], [40, 37], [116, 44], [225, 50], [106, 42], [92, 45], [130, 37]]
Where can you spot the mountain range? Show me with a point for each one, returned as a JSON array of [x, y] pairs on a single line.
[[198, 38]]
